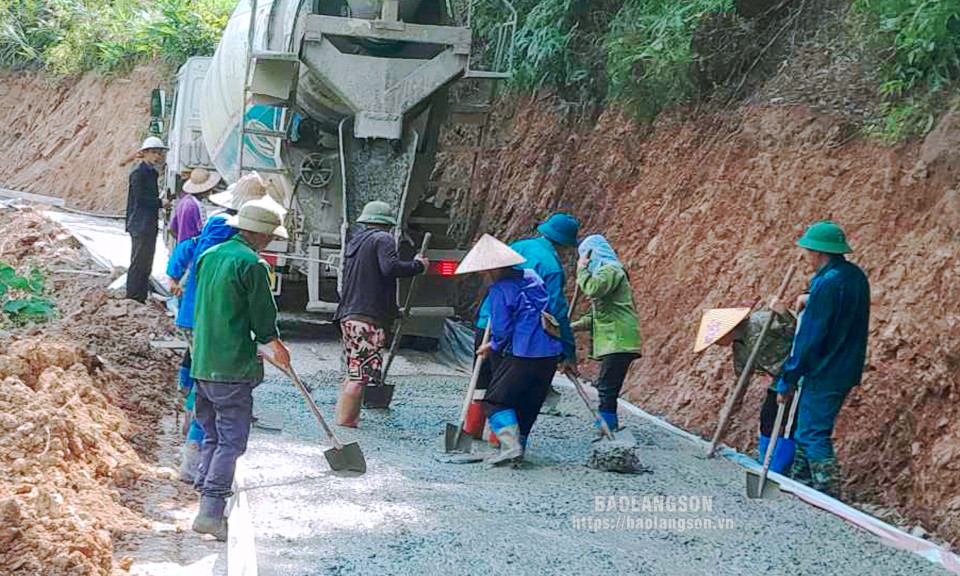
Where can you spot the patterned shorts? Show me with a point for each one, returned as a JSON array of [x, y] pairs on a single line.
[[363, 343]]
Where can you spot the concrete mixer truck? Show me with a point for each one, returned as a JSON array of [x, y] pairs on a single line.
[[342, 101]]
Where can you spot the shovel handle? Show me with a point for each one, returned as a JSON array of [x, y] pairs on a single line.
[[289, 372], [586, 400], [741, 386], [395, 344], [474, 378]]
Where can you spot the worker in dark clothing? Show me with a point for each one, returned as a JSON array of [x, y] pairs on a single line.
[[368, 306], [828, 354], [143, 213]]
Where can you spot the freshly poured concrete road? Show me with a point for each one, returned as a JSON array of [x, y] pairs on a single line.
[[413, 513]]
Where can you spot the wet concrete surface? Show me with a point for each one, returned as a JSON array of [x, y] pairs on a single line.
[[414, 513]]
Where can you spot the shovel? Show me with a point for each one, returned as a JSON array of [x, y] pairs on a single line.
[[380, 395], [759, 486], [454, 440], [342, 457], [607, 433]]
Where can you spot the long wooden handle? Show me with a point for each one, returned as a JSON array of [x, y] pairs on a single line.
[[793, 412], [741, 386], [586, 400], [773, 440], [289, 372], [395, 344], [474, 379]]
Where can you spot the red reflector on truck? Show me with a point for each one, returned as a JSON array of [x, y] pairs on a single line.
[[445, 267]]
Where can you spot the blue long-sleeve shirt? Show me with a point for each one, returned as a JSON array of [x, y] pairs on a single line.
[[831, 343], [184, 259], [542, 258], [516, 328]]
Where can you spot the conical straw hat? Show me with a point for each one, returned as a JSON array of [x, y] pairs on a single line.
[[488, 254], [716, 324]]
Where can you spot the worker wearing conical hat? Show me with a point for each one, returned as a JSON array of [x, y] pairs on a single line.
[[740, 328], [523, 354], [829, 352]]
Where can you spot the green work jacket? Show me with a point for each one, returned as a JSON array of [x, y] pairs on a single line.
[[235, 310], [612, 319]]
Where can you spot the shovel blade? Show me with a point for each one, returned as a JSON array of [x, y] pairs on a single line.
[[455, 440], [768, 490], [378, 397], [349, 458]]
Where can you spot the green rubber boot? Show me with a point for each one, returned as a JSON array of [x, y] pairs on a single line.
[[210, 518], [801, 467], [825, 475]]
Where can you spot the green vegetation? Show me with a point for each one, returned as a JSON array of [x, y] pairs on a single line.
[[71, 36], [22, 297]]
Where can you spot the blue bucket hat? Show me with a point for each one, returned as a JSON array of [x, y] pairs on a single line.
[[562, 228]]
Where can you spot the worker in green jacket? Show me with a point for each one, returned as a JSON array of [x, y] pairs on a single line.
[[235, 312], [612, 320]]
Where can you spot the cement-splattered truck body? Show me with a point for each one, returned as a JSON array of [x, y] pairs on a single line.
[[343, 101]]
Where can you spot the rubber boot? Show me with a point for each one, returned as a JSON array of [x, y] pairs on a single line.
[[782, 458], [347, 411], [825, 476], [189, 461], [210, 518], [507, 428], [613, 422]]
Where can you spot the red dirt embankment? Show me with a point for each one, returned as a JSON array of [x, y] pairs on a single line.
[[705, 212], [68, 138]]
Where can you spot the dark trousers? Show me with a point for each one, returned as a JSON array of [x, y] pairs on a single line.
[[816, 417], [520, 384], [768, 416], [613, 369], [225, 411], [142, 248], [486, 369]]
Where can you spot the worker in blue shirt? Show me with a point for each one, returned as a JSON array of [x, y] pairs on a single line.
[[542, 253], [829, 352], [524, 354]]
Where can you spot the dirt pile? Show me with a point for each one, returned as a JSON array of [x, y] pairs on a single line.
[[68, 138], [81, 400], [64, 454], [704, 213]]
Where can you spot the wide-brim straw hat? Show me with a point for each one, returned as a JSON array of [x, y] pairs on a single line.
[[201, 180], [263, 215], [489, 254], [250, 187], [716, 324]]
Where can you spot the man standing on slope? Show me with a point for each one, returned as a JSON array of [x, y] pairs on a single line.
[[368, 306], [235, 312], [829, 352], [143, 215]]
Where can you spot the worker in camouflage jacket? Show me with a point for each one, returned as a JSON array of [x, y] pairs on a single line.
[[740, 329]]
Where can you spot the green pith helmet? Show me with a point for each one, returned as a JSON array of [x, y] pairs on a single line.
[[377, 212], [825, 236]]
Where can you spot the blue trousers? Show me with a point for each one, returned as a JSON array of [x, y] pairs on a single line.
[[224, 411], [816, 417]]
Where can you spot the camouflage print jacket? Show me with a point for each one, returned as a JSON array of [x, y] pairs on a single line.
[[776, 346]]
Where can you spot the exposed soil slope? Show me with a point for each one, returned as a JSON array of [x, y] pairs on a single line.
[[68, 138], [704, 213]]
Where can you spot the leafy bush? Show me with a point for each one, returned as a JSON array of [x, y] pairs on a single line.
[[22, 297], [923, 37], [648, 52], [71, 36]]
